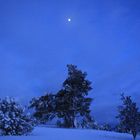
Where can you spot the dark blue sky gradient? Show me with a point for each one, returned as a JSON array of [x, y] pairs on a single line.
[[103, 39]]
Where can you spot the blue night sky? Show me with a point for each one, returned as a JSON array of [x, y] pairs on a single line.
[[103, 39]]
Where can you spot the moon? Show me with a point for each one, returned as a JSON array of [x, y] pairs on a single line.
[[69, 19]]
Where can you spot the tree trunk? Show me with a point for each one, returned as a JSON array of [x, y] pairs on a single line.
[[134, 133]]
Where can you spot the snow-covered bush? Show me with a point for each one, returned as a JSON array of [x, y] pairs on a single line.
[[13, 119], [119, 128], [106, 127]]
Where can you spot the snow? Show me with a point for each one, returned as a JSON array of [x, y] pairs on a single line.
[[43, 133]]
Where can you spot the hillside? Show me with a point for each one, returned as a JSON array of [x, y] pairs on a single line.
[[71, 134]]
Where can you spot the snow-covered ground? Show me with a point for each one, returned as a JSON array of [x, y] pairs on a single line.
[[43, 133], [79, 134]]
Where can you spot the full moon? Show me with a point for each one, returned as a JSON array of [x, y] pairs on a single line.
[[69, 19]]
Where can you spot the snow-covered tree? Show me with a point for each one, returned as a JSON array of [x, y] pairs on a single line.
[[71, 100], [129, 116], [13, 119], [69, 105]]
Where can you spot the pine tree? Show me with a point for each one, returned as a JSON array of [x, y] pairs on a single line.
[[70, 105], [129, 116], [13, 119], [71, 101]]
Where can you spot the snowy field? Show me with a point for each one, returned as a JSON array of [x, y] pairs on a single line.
[[42, 133]]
